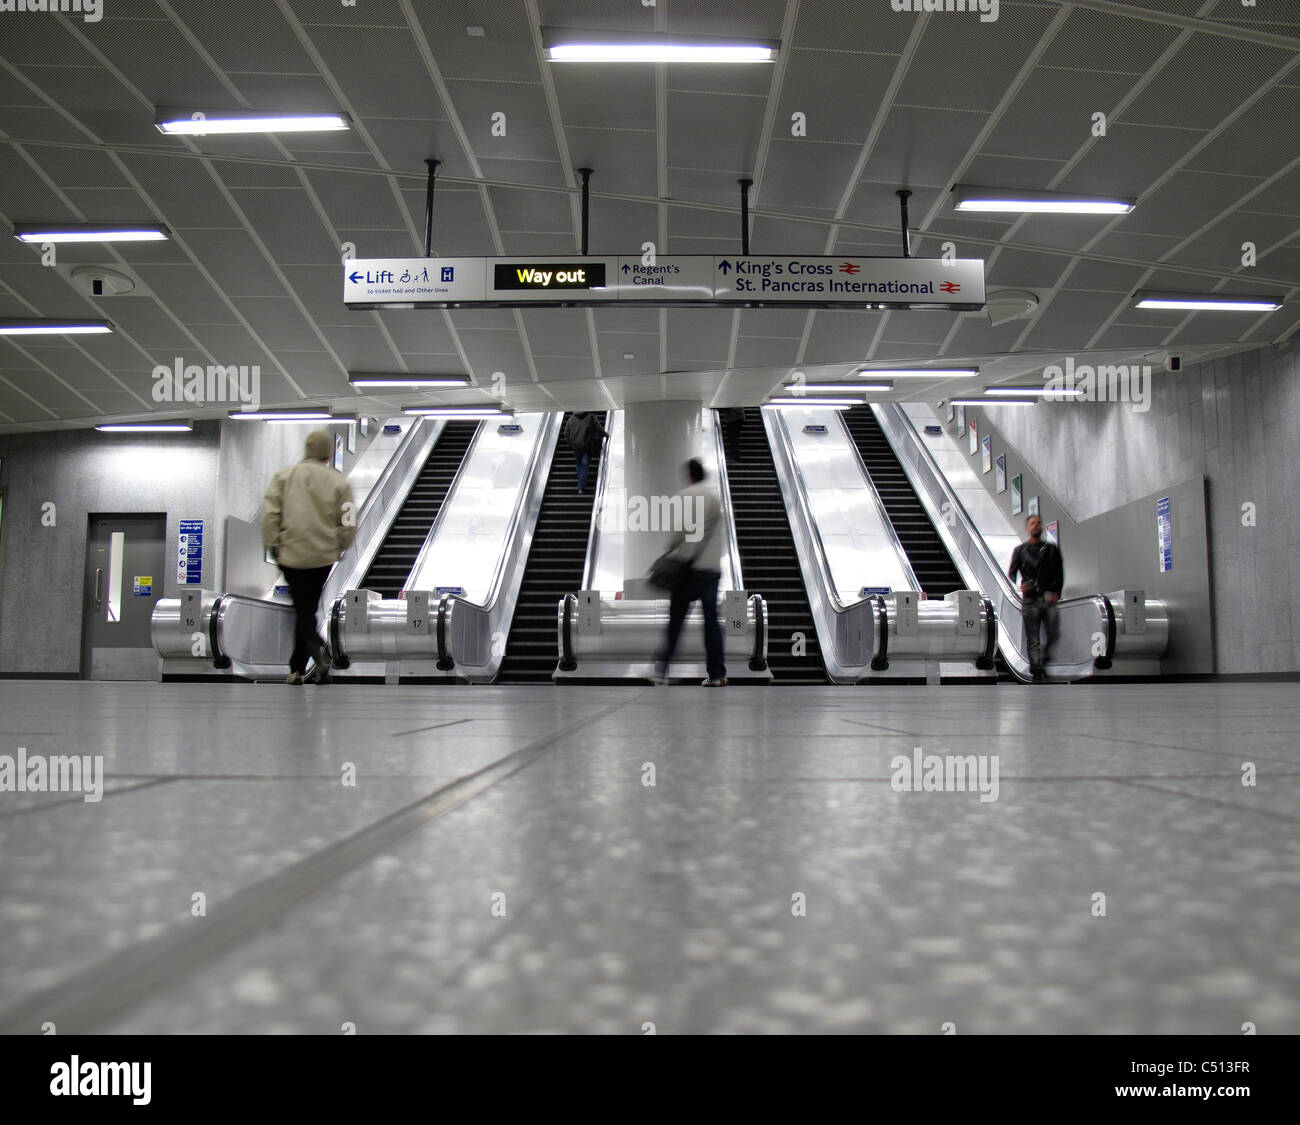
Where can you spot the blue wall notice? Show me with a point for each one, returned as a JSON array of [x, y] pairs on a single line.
[[189, 553], [1165, 528]]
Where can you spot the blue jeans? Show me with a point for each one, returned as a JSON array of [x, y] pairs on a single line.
[[701, 586], [1038, 610], [584, 466]]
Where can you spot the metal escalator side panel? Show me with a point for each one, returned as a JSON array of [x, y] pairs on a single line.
[[410, 582], [408, 531], [382, 506], [900, 552]]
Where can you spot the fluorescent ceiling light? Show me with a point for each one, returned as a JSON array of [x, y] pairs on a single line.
[[1218, 302], [576, 45], [90, 232], [146, 427], [1022, 392], [408, 381], [54, 327], [994, 402], [922, 373], [457, 411], [813, 403], [202, 122], [282, 416], [840, 388], [968, 198]]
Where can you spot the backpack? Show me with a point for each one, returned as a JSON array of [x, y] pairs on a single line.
[[578, 432]]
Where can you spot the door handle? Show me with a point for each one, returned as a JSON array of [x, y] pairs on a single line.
[[99, 587]]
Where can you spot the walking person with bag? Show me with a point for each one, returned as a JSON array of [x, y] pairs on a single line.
[[691, 571], [308, 521], [1042, 577], [586, 435]]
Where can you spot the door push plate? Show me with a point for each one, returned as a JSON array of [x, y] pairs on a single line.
[[905, 613], [589, 611], [417, 613], [735, 606], [968, 613]]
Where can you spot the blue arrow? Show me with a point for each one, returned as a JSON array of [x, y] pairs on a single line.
[[354, 277], [626, 267], [724, 265]]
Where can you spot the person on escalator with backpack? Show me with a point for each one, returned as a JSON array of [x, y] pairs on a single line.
[[1042, 577], [586, 435]]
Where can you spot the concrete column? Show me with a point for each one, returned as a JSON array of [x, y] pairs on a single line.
[[659, 438]]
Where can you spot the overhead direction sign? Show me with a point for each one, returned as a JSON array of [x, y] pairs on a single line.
[[746, 281]]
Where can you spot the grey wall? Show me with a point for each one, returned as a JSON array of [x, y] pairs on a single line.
[[1235, 421], [82, 471]]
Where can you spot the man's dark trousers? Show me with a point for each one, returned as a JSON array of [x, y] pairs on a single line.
[[1038, 609], [305, 586], [701, 586]]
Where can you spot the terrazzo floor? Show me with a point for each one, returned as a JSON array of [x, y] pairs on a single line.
[[600, 860]]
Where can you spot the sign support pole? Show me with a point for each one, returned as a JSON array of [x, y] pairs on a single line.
[[586, 189], [428, 207], [745, 185], [903, 195]]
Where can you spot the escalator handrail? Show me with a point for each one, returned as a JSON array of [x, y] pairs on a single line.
[[799, 487], [724, 494], [427, 545], [544, 447], [597, 509], [883, 512], [363, 557]]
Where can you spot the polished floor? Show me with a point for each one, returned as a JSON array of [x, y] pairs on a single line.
[[502, 864]]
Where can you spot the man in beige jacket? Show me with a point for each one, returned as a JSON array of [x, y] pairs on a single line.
[[308, 521]]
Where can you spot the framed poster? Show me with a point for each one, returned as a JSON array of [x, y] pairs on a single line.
[[1016, 486], [365, 427], [986, 454], [352, 437], [338, 452], [974, 437], [952, 412], [1053, 532], [961, 421], [1033, 506], [1002, 471]]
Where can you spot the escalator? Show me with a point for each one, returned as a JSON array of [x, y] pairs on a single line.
[[769, 559], [396, 555], [930, 561], [555, 566]]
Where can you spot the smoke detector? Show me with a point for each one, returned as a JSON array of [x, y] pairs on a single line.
[[100, 281], [1009, 304]]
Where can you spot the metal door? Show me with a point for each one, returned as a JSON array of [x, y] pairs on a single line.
[[124, 578]]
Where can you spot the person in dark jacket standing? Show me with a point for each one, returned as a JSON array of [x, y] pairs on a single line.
[[1042, 577], [586, 435]]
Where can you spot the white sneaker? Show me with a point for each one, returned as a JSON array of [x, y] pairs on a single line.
[[715, 683]]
